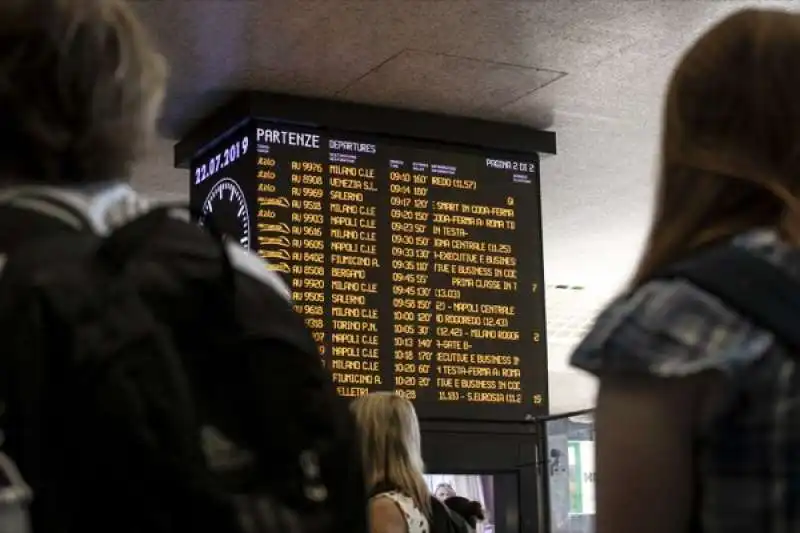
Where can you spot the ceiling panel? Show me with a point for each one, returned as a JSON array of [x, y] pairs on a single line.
[[447, 83], [594, 70], [158, 178], [324, 47]]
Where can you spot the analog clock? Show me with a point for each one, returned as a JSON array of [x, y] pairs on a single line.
[[226, 208]]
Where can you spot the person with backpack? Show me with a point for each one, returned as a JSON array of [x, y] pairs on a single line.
[[153, 375], [391, 455], [698, 411], [444, 491]]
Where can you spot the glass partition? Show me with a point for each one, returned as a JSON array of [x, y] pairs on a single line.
[[571, 479], [474, 487]]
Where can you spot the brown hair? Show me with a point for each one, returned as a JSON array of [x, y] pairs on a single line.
[[391, 449], [731, 139], [80, 90]]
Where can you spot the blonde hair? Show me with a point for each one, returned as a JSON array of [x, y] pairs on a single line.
[[731, 139], [81, 87], [391, 450]]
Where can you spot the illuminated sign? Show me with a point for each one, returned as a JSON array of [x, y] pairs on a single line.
[[417, 268]]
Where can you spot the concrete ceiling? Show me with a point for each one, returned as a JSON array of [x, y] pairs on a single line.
[[592, 70]]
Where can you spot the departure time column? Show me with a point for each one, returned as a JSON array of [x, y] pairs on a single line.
[[411, 266]]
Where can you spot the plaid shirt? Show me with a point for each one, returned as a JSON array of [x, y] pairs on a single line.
[[749, 456]]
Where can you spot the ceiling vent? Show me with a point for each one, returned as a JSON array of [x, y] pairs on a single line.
[[571, 312]]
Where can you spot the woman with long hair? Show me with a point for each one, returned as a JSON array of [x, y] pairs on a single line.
[[698, 412], [391, 455]]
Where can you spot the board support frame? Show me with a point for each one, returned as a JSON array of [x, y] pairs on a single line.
[[246, 106]]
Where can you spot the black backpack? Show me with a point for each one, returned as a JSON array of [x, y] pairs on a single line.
[[445, 520], [148, 386]]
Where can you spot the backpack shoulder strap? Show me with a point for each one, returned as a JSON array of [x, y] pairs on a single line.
[[29, 217], [48, 206], [752, 286]]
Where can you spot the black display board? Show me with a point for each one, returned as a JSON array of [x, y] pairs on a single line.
[[417, 265], [222, 187]]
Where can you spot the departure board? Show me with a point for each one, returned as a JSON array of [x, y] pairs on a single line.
[[417, 267]]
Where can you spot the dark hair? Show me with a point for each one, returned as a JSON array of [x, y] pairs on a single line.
[[81, 86], [470, 511], [731, 139]]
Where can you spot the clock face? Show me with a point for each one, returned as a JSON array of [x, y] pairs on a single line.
[[226, 208]]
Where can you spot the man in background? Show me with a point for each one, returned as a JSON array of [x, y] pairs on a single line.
[[153, 379]]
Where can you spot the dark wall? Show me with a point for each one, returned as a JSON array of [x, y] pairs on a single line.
[[507, 453]]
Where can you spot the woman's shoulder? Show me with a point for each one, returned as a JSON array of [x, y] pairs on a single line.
[[673, 328], [414, 517]]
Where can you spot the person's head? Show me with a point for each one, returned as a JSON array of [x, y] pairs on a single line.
[[390, 445], [444, 491], [469, 510], [731, 138], [81, 88]]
